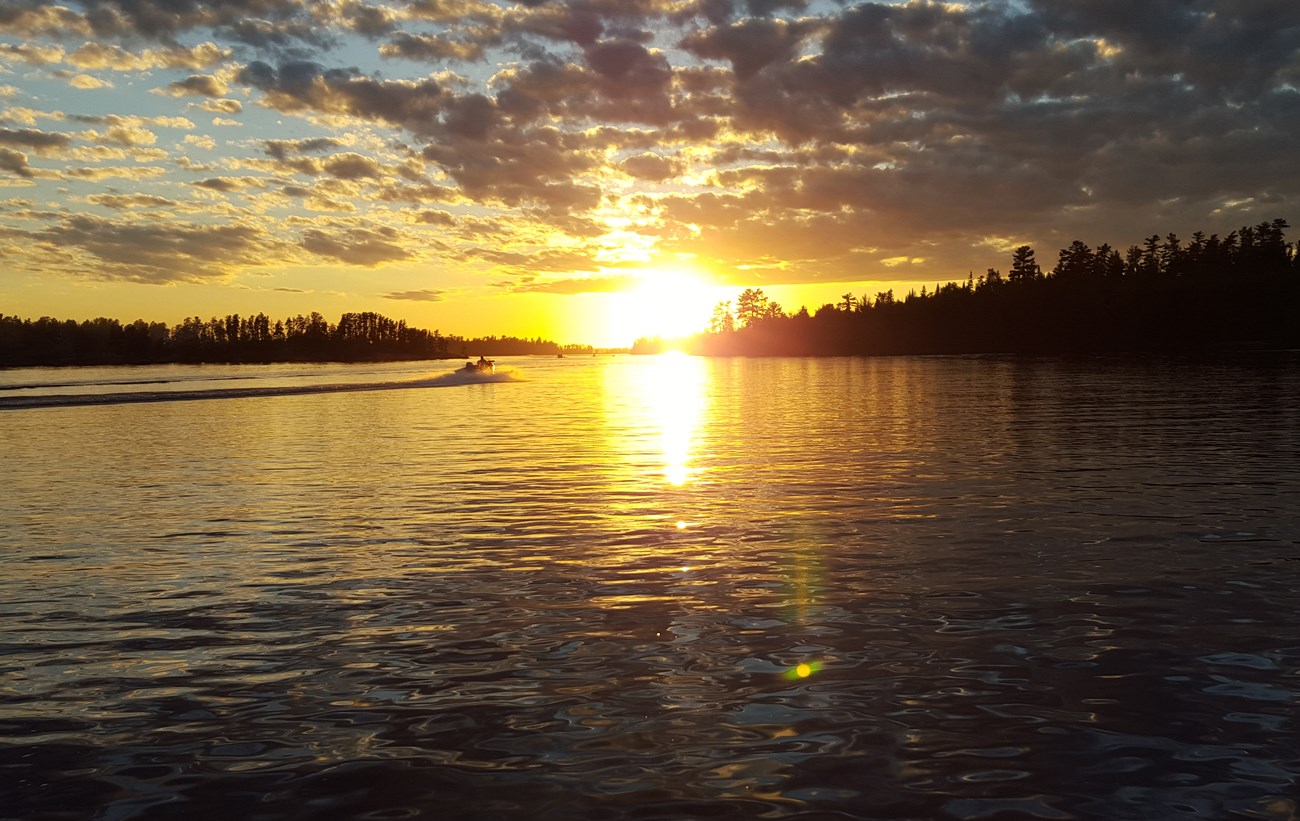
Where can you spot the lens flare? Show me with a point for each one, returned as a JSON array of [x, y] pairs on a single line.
[[803, 670]]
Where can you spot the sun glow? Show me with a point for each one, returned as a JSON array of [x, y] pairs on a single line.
[[665, 303]]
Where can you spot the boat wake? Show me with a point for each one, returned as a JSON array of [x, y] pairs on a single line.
[[464, 377], [453, 379]]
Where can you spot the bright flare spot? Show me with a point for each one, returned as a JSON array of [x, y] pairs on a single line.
[[668, 304], [681, 525], [803, 670]]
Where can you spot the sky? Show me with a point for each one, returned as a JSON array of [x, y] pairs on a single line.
[[597, 170]]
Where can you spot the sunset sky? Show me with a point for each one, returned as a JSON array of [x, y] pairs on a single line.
[[595, 171]]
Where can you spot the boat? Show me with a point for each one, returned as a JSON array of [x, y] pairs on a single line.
[[481, 366]]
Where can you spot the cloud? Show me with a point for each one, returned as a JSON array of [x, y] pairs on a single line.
[[122, 132], [651, 167], [356, 246], [103, 172], [352, 166], [526, 264], [35, 55], [579, 285], [222, 106], [156, 252], [40, 20], [225, 185], [435, 48], [433, 217], [307, 86], [116, 58], [427, 295], [749, 44], [249, 21], [122, 202], [804, 140], [86, 82], [40, 141], [282, 149], [204, 85], [14, 162]]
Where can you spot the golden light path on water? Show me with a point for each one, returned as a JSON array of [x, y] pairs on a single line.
[[676, 399], [475, 600], [675, 390]]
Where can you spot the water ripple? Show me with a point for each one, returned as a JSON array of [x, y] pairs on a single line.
[[913, 588]]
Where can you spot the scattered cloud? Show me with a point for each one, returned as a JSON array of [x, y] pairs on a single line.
[[224, 185], [14, 162], [352, 166], [365, 247], [781, 136], [427, 295], [204, 85], [128, 201], [651, 167], [156, 252], [433, 216], [116, 58], [222, 106], [40, 141], [579, 285], [86, 82]]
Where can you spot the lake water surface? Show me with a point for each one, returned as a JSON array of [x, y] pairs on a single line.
[[653, 588]]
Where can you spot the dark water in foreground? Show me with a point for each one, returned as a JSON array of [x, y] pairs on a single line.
[[657, 588]]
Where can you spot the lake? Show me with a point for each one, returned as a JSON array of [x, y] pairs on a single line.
[[653, 588]]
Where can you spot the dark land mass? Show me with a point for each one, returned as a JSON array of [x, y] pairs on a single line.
[[1238, 291], [1210, 292], [356, 337]]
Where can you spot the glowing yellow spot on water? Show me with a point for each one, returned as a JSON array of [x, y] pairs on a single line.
[[681, 525], [803, 670], [675, 392], [686, 569]]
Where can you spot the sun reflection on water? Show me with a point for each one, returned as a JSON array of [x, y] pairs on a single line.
[[675, 401]]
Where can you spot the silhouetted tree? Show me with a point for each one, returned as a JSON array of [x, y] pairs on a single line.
[[1243, 289], [1024, 267], [723, 321], [231, 338], [751, 305]]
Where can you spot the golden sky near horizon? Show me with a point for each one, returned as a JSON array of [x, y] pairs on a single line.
[[597, 170]]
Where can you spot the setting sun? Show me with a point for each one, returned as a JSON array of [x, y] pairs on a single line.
[[665, 303]]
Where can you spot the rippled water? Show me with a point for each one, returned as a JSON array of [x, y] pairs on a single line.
[[655, 588]]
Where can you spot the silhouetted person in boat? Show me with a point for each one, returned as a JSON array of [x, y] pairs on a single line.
[[483, 363]]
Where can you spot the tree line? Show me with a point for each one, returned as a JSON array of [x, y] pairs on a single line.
[[1242, 289], [356, 337]]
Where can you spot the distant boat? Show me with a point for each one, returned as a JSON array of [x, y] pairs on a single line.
[[481, 366], [559, 356]]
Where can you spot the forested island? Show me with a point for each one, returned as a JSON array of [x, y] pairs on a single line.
[[356, 337], [1241, 290]]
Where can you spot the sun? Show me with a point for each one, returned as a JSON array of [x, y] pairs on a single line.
[[665, 303]]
